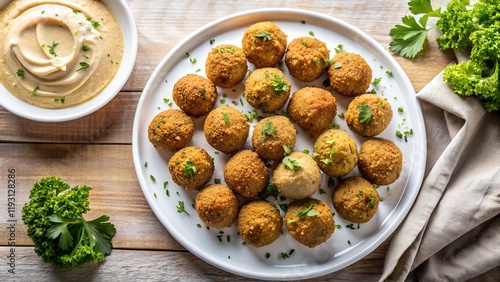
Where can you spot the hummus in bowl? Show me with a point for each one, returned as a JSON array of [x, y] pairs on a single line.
[[64, 59]]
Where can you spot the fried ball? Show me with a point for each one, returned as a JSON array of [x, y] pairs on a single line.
[[380, 161], [246, 174], [306, 58], [310, 221], [271, 135], [335, 152], [267, 89], [312, 108], [259, 223], [368, 115], [355, 199], [226, 129], [264, 44], [194, 94], [226, 65], [217, 206], [170, 130], [191, 167], [349, 74], [297, 176]]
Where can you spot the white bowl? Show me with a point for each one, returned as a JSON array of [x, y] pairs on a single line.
[[126, 22]]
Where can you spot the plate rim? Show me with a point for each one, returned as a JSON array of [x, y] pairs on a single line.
[[416, 174]]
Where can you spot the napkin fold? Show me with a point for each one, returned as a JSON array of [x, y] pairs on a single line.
[[452, 232]]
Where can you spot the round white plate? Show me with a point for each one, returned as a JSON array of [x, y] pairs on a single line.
[[126, 22], [224, 248]]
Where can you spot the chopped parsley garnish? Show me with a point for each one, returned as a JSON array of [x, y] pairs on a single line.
[[291, 163], [308, 212], [152, 178], [192, 60], [339, 49], [83, 66], [337, 65], [267, 130], [264, 35], [270, 190], [287, 150], [359, 193], [35, 90], [376, 81], [279, 84], [400, 110], [181, 208], [20, 72], [389, 73], [226, 119], [371, 203], [202, 93], [212, 41], [51, 48], [365, 113], [311, 33], [62, 100], [404, 134], [85, 47], [268, 255], [303, 41], [189, 168]]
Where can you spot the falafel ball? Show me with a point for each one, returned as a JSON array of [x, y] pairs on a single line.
[[226, 65], [355, 199], [297, 176], [226, 129], [217, 206], [335, 152], [380, 161], [264, 44], [310, 221], [194, 94], [368, 115], [306, 58], [259, 223], [349, 74], [267, 89], [271, 135], [191, 167], [246, 174], [313, 108], [170, 130]]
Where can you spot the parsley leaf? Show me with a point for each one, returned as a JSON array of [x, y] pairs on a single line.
[[189, 168], [365, 113], [291, 163], [226, 119], [409, 38], [307, 212], [264, 35], [267, 129]]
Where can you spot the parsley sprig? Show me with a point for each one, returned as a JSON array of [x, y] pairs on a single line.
[[409, 38]]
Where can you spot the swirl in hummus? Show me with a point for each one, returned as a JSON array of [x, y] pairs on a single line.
[[57, 54]]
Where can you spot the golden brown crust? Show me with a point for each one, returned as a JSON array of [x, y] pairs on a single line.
[[310, 230], [313, 108], [226, 129], [335, 152], [170, 130], [246, 174], [349, 74], [194, 94], [381, 115], [306, 58], [226, 65], [355, 199], [259, 223], [261, 89], [380, 161], [261, 51], [271, 147], [191, 156], [217, 206]]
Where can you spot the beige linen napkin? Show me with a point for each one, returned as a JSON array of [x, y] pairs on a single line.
[[452, 232]]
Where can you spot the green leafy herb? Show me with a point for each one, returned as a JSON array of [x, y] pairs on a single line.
[[365, 113], [212, 41], [20, 72], [181, 208], [371, 202], [264, 35], [376, 81], [55, 222], [304, 42], [85, 47], [35, 90], [267, 130], [226, 119], [270, 190], [307, 212], [339, 48], [337, 65], [51, 48], [279, 84], [287, 150], [83, 66], [189, 168], [291, 163]]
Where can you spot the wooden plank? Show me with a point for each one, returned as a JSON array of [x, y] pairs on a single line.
[[108, 169], [126, 265]]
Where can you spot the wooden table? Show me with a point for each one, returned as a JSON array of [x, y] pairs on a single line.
[[96, 150]]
